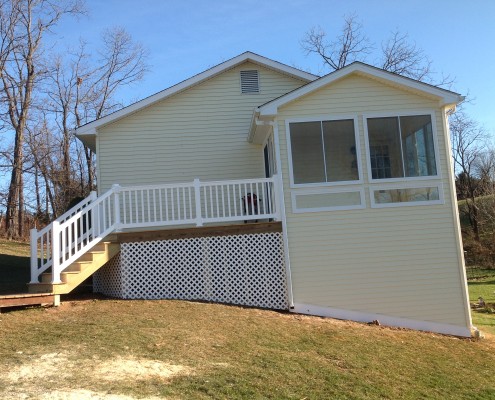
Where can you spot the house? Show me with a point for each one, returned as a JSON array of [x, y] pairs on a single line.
[[258, 184]]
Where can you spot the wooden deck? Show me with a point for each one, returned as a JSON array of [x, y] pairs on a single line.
[[27, 299], [204, 231]]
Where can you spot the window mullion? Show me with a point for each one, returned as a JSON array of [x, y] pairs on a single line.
[[401, 149], [323, 149]]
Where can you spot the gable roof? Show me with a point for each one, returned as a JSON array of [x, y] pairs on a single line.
[[445, 97], [90, 128]]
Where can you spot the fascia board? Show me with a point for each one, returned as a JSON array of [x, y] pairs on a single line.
[[445, 97]]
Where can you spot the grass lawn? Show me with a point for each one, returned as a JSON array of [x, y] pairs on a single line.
[[92, 348], [14, 266], [186, 350], [482, 284]]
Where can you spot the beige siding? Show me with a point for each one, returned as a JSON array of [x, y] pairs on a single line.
[[401, 262], [200, 132]]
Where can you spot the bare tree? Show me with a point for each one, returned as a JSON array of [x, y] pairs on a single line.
[[351, 45], [398, 54], [469, 144], [404, 58], [122, 62], [26, 23], [81, 91]]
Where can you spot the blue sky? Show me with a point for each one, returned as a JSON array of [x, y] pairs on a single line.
[[186, 37]]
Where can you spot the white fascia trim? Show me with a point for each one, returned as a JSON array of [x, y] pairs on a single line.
[[90, 128], [445, 96], [358, 316]]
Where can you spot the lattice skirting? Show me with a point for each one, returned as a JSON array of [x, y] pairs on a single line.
[[239, 269]]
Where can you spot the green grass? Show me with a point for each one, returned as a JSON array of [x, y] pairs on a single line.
[[231, 353], [482, 284], [14, 266]]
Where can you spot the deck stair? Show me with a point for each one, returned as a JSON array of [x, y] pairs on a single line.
[[78, 271]]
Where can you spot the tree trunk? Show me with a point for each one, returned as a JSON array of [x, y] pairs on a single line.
[[15, 189]]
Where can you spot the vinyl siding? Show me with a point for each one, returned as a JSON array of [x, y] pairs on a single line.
[[401, 262], [198, 133]]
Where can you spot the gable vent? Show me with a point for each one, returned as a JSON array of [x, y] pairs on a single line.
[[250, 82]]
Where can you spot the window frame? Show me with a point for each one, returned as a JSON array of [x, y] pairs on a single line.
[[399, 114], [414, 185], [348, 189], [322, 118]]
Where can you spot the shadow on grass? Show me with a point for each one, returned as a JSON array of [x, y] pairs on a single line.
[[14, 274], [481, 283]]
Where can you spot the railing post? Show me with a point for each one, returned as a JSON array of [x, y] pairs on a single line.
[[56, 252], [277, 194], [116, 205], [34, 255], [197, 201]]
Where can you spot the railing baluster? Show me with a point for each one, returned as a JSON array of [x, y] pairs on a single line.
[[234, 199], [228, 200], [211, 201], [252, 198], [268, 210], [161, 205], [133, 195], [177, 195], [142, 206], [124, 207], [184, 203], [172, 203], [166, 205], [222, 188], [190, 203], [205, 201], [154, 204], [264, 190], [104, 209]]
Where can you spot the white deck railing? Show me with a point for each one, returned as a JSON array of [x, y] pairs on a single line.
[[71, 235]]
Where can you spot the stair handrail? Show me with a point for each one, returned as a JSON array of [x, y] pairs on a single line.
[[54, 251]]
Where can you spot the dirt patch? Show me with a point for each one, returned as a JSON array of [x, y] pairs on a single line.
[[125, 368], [58, 367], [45, 367], [85, 395]]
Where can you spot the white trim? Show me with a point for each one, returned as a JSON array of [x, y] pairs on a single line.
[[437, 185], [455, 217], [91, 127], [321, 118], [283, 216], [359, 316], [399, 114], [296, 193], [444, 96]]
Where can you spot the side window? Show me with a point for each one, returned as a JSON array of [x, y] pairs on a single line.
[[401, 147], [323, 152]]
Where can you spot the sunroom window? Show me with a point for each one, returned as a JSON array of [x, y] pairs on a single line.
[[323, 151], [401, 147]]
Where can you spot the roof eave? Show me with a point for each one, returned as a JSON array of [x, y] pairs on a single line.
[[91, 127], [444, 96]]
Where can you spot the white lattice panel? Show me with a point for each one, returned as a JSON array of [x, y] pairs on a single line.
[[239, 269], [109, 279]]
